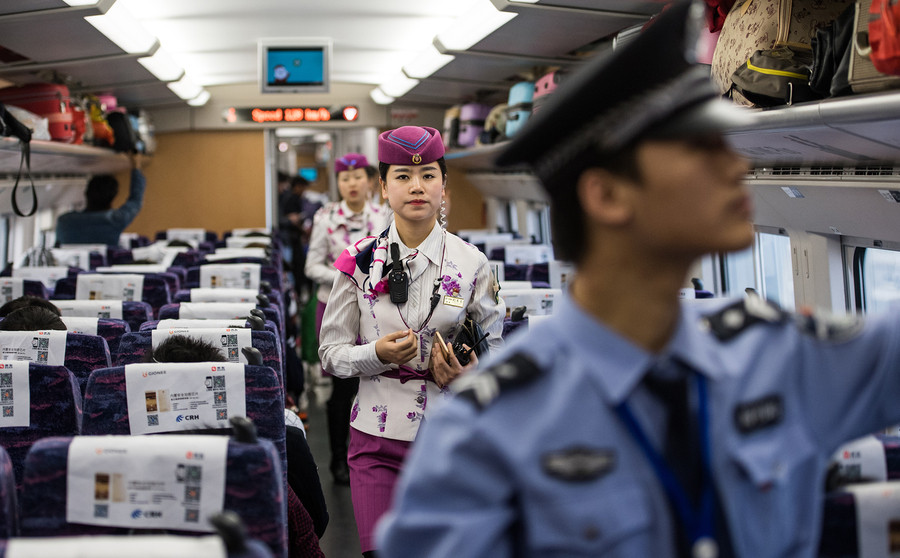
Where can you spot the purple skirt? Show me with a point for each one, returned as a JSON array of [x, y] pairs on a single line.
[[374, 467]]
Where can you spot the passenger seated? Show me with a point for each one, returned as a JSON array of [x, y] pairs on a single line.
[[183, 348], [25, 301], [32, 318]]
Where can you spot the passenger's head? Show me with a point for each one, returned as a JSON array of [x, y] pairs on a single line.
[[352, 180], [183, 348], [413, 171], [32, 318], [640, 157], [100, 192], [299, 185], [25, 301], [284, 181], [177, 243]]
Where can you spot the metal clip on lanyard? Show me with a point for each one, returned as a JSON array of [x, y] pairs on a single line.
[[699, 525]]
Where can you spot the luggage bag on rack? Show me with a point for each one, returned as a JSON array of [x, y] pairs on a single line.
[[48, 100]]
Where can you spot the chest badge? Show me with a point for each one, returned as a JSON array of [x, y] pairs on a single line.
[[578, 464], [758, 414], [454, 301]]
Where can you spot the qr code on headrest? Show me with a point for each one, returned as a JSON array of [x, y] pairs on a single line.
[[221, 414], [101, 510], [5, 379], [152, 420], [8, 411], [192, 516]]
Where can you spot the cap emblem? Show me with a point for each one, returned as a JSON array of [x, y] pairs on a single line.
[[416, 159]]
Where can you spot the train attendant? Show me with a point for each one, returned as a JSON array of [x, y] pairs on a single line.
[[395, 293], [631, 423], [336, 226]]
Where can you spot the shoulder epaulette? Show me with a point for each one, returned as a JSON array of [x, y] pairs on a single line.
[[481, 388], [738, 317], [824, 327]]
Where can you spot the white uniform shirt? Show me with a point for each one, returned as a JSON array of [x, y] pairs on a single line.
[[389, 407], [335, 227]]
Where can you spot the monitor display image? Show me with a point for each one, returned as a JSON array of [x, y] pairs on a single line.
[[294, 65], [309, 173]]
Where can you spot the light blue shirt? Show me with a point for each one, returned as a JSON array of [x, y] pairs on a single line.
[[477, 481], [102, 227]]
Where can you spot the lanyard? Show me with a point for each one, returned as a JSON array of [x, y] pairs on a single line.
[[435, 297], [699, 525]]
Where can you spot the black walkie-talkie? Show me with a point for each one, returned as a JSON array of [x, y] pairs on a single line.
[[398, 280]]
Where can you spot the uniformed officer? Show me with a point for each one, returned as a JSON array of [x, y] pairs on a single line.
[[568, 446]]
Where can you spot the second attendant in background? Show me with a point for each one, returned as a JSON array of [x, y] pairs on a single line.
[[335, 227]]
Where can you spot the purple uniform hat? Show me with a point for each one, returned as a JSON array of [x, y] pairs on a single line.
[[351, 161], [410, 145]]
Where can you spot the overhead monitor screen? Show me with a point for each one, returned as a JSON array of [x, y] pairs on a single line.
[[293, 67]]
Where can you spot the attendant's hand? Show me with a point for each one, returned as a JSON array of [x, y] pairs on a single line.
[[396, 348], [444, 370]]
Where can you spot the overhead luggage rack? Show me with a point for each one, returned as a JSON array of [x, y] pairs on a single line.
[[54, 158]]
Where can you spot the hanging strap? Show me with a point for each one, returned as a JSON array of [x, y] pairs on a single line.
[[25, 162]]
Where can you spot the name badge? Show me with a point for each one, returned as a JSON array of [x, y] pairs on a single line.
[[453, 301]]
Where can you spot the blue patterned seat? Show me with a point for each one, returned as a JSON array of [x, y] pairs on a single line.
[[9, 508], [266, 273], [155, 292], [106, 406], [55, 411], [134, 313], [253, 489], [137, 546], [134, 346], [172, 311], [275, 298], [152, 324]]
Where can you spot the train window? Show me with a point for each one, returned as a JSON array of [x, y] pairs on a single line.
[[738, 272], [776, 271], [764, 267], [876, 278]]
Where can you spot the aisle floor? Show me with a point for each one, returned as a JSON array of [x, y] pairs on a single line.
[[340, 539]]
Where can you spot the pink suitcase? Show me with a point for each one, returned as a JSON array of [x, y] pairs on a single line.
[[543, 87], [48, 100]]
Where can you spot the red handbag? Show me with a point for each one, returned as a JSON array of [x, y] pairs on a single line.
[[884, 36]]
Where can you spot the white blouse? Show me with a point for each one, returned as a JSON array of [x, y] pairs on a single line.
[[389, 407], [335, 227]]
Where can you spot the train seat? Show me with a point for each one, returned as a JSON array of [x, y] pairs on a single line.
[[235, 275], [81, 354], [55, 410], [220, 310], [135, 345], [253, 486], [108, 328], [133, 312], [136, 546], [9, 509], [155, 290], [106, 402]]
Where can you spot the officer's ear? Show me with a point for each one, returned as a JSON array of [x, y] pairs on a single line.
[[605, 196], [383, 188]]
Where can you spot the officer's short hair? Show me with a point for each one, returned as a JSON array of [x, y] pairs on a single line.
[[32, 318], [183, 348], [567, 217], [25, 301], [101, 191]]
